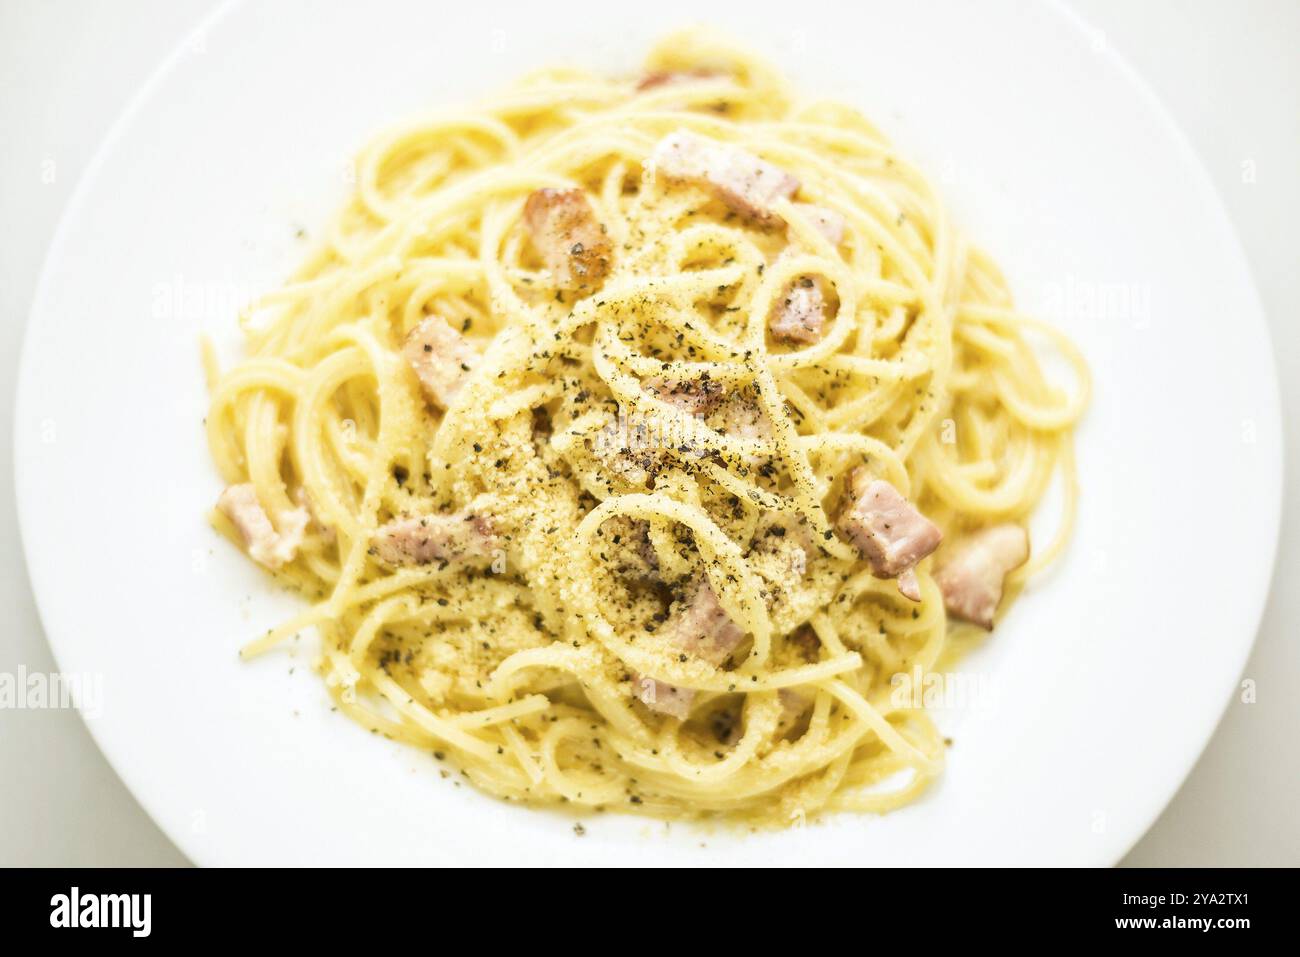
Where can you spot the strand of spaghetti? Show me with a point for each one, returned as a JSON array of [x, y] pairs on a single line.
[[523, 753], [758, 728], [532, 704], [339, 602], [595, 793], [414, 711], [882, 728]]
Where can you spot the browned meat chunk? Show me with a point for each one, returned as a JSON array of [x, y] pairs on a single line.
[[699, 627], [799, 315], [973, 576], [572, 242], [441, 357], [889, 532], [264, 544], [422, 539], [658, 78], [694, 396], [744, 182]]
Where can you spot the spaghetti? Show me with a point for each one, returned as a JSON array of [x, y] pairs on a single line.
[[642, 447]]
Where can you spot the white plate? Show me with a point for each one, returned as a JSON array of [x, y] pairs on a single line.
[[1108, 677]]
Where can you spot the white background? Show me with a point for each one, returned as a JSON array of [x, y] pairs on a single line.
[[1229, 73]]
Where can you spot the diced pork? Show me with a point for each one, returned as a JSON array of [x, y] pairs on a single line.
[[702, 628], [799, 315], [973, 576], [693, 396], [264, 543], [806, 642], [665, 698], [794, 712], [628, 545], [743, 418], [748, 185], [441, 357], [909, 586], [699, 627], [572, 242], [826, 221], [889, 532], [658, 78], [438, 537]]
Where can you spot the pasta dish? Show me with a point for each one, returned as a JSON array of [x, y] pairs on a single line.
[[631, 436]]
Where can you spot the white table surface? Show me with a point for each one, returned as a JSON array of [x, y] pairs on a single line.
[[1229, 73]]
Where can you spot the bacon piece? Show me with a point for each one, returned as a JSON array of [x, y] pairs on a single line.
[[658, 78], [747, 184], [805, 640], [572, 241], [441, 357], [800, 315], [699, 627], [973, 576], [634, 554], [264, 544], [909, 586], [891, 535], [826, 221], [665, 698], [421, 539], [693, 396], [794, 709], [743, 418]]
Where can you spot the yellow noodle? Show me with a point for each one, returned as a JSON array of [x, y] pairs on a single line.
[[524, 677]]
